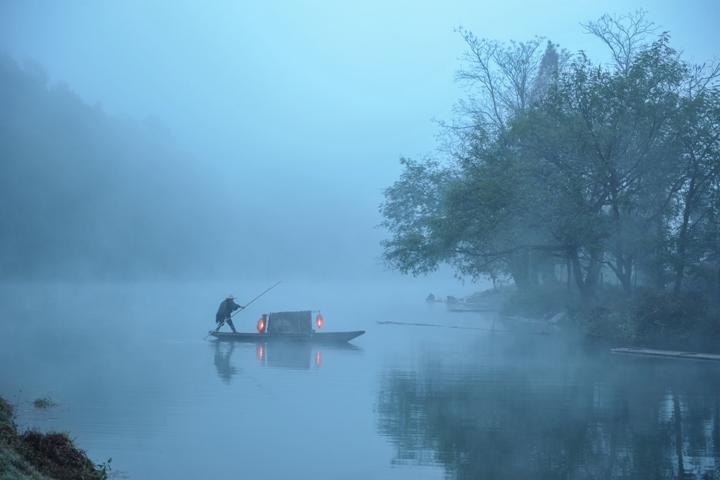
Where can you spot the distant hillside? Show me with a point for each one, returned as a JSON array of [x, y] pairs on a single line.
[[85, 194]]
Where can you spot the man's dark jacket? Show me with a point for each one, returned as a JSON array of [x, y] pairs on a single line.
[[226, 308]]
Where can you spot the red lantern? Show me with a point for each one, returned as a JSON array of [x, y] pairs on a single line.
[[261, 325], [319, 321]]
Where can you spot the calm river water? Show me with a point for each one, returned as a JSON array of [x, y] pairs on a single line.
[[465, 396]]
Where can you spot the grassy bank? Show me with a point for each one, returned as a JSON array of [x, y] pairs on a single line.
[[41, 456]]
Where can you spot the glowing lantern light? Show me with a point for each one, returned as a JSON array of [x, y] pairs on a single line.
[[319, 321], [261, 325]]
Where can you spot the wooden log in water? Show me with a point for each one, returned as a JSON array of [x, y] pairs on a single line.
[[649, 352]]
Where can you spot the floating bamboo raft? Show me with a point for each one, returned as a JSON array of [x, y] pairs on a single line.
[[648, 352]]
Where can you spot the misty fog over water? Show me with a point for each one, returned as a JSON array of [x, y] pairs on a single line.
[[156, 157], [465, 396]]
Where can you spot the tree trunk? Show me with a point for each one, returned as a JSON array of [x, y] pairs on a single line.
[[519, 269], [569, 277], [623, 262], [586, 288], [681, 253]]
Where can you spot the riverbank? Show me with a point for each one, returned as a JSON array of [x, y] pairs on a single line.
[[34, 455], [650, 318]]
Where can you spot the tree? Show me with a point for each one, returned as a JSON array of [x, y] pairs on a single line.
[[502, 80], [576, 163], [693, 223], [610, 137], [414, 205], [624, 35]]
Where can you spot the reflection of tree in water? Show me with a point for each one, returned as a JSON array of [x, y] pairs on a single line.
[[223, 352], [636, 420]]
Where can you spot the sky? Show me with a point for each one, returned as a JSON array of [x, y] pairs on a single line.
[[303, 108]]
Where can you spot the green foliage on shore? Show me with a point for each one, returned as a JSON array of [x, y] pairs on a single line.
[[541, 302], [653, 318], [605, 172], [648, 318], [35, 455]]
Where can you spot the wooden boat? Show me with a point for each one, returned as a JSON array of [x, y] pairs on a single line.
[[314, 337], [666, 353], [289, 327]]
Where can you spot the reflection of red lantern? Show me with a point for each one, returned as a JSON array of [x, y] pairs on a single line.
[[261, 325], [319, 321], [318, 358], [260, 352]]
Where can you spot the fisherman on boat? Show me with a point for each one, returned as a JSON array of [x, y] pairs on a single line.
[[225, 312]]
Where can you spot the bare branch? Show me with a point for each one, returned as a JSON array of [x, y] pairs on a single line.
[[625, 35]]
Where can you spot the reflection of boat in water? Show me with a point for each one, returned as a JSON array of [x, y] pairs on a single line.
[[289, 327], [295, 355], [291, 355]]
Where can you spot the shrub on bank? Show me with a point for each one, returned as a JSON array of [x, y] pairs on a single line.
[[652, 318], [55, 454], [542, 301], [34, 455]]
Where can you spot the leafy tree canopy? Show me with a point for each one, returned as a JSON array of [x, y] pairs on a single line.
[[555, 161]]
